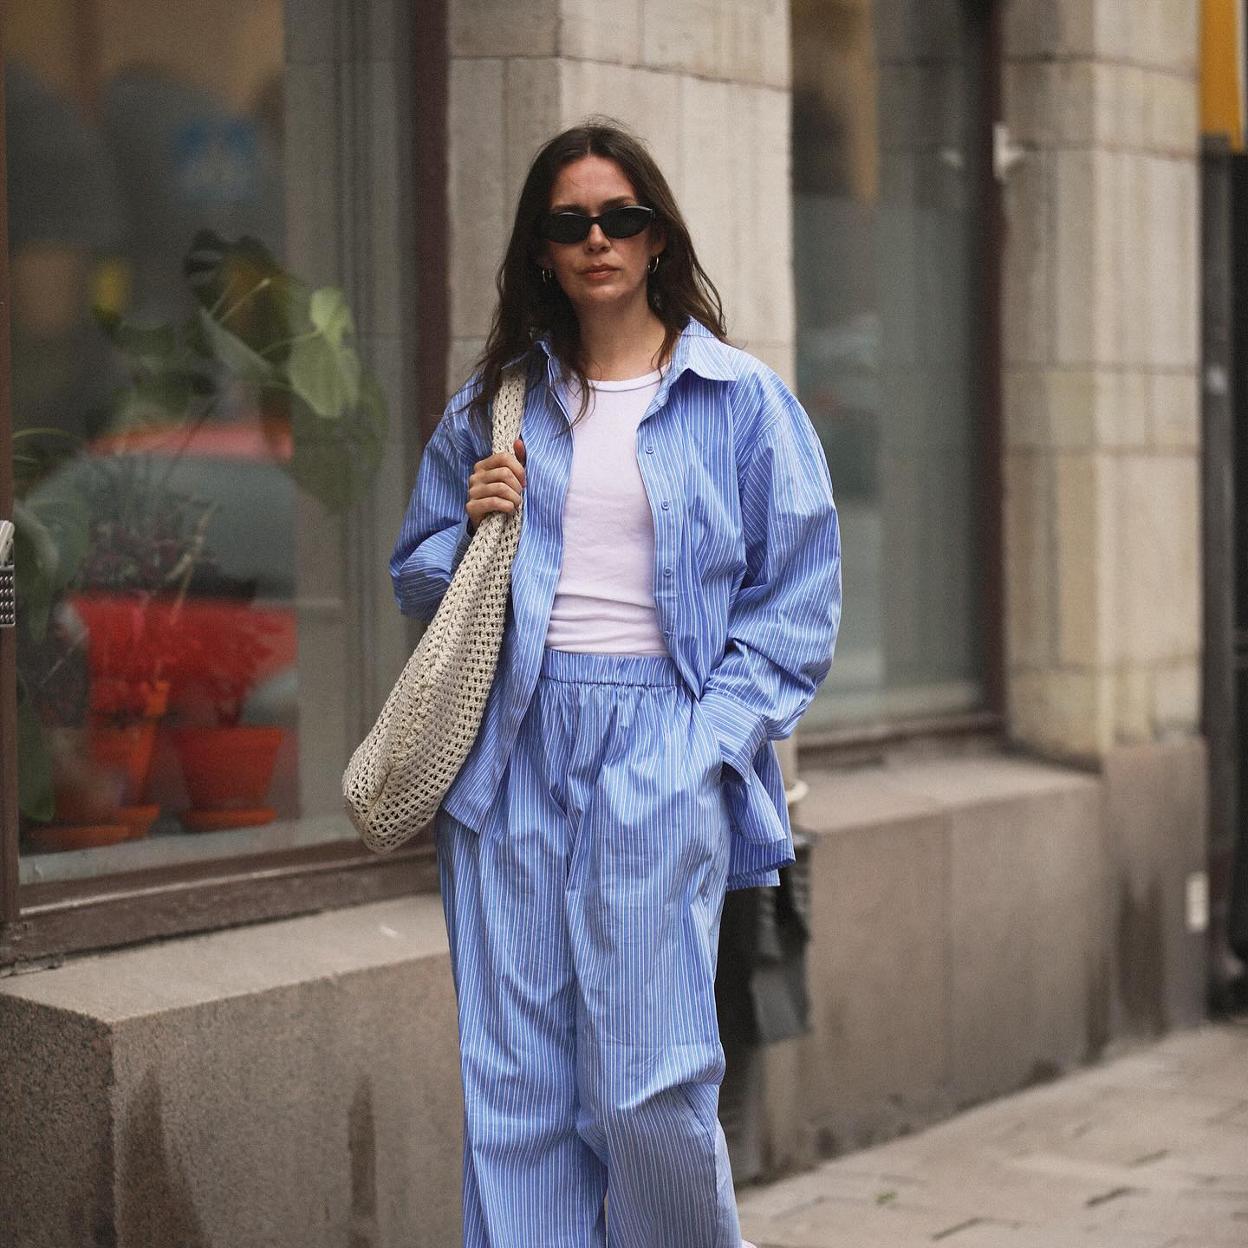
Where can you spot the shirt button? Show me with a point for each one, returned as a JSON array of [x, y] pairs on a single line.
[[649, 450], [665, 504], [667, 571]]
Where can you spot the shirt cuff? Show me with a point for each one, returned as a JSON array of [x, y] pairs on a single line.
[[753, 879], [740, 730]]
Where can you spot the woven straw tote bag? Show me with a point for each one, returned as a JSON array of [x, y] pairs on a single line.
[[401, 771]]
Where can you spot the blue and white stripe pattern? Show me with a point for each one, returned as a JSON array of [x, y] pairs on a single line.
[[584, 930], [747, 576]]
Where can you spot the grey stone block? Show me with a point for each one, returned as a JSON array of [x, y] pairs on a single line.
[[878, 981], [1027, 957], [294, 1083]]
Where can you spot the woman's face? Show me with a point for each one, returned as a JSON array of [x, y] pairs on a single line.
[[598, 271]]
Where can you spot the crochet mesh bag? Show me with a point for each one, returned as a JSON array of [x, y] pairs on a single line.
[[401, 771]]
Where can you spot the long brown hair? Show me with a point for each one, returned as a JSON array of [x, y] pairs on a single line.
[[676, 290]]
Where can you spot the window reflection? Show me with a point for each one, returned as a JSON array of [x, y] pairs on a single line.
[[883, 209], [175, 389]]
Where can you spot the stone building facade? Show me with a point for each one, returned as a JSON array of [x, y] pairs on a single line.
[[991, 904]]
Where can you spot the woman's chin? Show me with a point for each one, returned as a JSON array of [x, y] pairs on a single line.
[[599, 298]]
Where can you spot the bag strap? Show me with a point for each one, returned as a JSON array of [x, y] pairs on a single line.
[[508, 408]]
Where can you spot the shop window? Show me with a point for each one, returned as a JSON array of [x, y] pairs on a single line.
[[201, 424], [887, 131]]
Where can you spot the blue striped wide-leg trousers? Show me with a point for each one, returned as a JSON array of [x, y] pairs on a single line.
[[584, 927]]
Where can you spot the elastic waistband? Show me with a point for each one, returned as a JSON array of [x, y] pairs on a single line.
[[595, 667]]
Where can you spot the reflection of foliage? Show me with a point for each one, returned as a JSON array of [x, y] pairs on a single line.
[[142, 535], [52, 687], [49, 543], [144, 543], [262, 327], [54, 671], [51, 533], [254, 326], [113, 527]]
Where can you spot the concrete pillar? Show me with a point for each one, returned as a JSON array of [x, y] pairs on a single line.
[[1101, 338]]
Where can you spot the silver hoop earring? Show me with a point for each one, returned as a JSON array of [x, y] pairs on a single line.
[[653, 266], [547, 275]]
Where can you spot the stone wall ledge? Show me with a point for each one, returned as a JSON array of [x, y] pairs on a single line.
[[121, 985], [842, 800]]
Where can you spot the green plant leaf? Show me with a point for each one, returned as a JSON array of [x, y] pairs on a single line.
[[150, 345], [46, 433], [325, 376], [330, 314], [67, 518], [335, 460], [35, 795], [36, 451], [49, 545]]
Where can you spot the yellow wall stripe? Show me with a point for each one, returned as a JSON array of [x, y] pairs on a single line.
[[1221, 70]]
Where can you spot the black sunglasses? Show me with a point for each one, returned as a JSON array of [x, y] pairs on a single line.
[[574, 227]]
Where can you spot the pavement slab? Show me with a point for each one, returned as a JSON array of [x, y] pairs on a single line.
[[1145, 1150]]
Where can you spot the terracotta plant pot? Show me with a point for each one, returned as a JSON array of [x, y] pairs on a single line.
[[100, 775], [125, 748], [86, 790], [227, 773]]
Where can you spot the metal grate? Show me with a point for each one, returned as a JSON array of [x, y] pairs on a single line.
[[8, 602]]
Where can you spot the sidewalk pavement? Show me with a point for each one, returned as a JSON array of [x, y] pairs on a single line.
[[1147, 1150]]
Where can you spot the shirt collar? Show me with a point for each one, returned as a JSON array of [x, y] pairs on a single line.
[[697, 349]]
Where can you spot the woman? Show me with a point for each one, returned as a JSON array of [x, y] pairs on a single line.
[[674, 606]]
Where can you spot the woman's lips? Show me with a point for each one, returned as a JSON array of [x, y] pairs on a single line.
[[598, 272]]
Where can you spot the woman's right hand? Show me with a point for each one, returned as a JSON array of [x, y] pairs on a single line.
[[495, 484]]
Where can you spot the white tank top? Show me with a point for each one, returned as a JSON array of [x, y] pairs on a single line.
[[604, 599]]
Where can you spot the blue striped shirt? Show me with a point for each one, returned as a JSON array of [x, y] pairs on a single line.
[[747, 566]]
